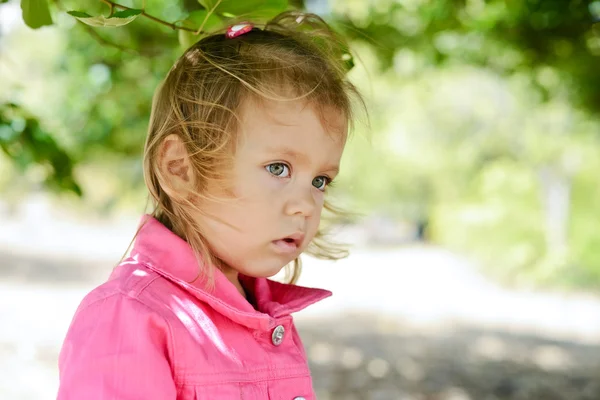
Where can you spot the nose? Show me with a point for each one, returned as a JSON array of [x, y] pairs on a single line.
[[301, 202]]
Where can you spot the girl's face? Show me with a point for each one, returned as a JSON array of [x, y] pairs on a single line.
[[284, 160]]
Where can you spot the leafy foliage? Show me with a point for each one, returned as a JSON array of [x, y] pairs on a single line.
[[23, 140], [36, 13]]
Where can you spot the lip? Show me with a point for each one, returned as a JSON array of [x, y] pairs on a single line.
[[290, 246]]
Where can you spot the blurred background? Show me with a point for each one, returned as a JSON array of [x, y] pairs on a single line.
[[475, 262]]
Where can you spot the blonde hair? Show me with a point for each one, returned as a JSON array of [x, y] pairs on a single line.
[[294, 56]]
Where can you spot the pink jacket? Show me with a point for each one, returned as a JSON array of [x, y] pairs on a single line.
[[148, 334]]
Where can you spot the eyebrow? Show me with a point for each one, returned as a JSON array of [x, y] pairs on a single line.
[[299, 157]]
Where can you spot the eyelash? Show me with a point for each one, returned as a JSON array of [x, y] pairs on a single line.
[[328, 181]]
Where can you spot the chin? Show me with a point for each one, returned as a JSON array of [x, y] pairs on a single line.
[[266, 273], [262, 270]]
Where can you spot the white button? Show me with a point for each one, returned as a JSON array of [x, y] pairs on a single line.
[[299, 398], [277, 336]]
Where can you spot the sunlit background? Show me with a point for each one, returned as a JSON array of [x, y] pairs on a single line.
[[474, 181]]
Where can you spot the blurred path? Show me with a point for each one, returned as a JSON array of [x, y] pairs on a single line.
[[431, 288]]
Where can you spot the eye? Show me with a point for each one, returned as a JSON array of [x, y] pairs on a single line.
[[278, 169], [320, 182]]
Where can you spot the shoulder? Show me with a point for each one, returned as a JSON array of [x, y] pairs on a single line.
[[131, 286], [116, 333], [136, 292], [120, 310]]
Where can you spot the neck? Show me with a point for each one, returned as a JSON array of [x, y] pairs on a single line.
[[233, 277]]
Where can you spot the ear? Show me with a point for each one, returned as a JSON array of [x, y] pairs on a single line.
[[175, 164]]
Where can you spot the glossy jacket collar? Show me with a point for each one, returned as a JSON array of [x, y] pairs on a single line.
[[166, 253]]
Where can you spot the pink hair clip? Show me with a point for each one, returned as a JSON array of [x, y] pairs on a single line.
[[238, 29]]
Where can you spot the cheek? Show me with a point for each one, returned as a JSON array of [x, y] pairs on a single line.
[[316, 218], [254, 184], [319, 199], [266, 195]]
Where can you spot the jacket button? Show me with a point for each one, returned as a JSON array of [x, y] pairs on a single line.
[[277, 336], [299, 398]]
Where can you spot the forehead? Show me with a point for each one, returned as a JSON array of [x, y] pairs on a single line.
[[295, 120]]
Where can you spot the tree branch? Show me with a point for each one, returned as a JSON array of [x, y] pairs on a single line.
[[153, 18], [112, 8], [206, 17]]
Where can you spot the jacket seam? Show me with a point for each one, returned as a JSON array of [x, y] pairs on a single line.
[[91, 303], [185, 382], [263, 369], [146, 284]]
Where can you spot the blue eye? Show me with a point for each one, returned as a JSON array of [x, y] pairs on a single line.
[[278, 169], [320, 182]]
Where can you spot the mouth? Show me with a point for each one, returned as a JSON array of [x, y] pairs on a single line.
[[290, 243]]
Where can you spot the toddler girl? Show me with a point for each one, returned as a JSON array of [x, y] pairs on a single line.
[[246, 133]]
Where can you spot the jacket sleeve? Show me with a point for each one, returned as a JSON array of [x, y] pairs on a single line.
[[116, 349]]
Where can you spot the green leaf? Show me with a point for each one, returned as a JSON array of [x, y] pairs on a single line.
[[127, 13], [36, 13], [79, 14], [250, 9], [118, 19]]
